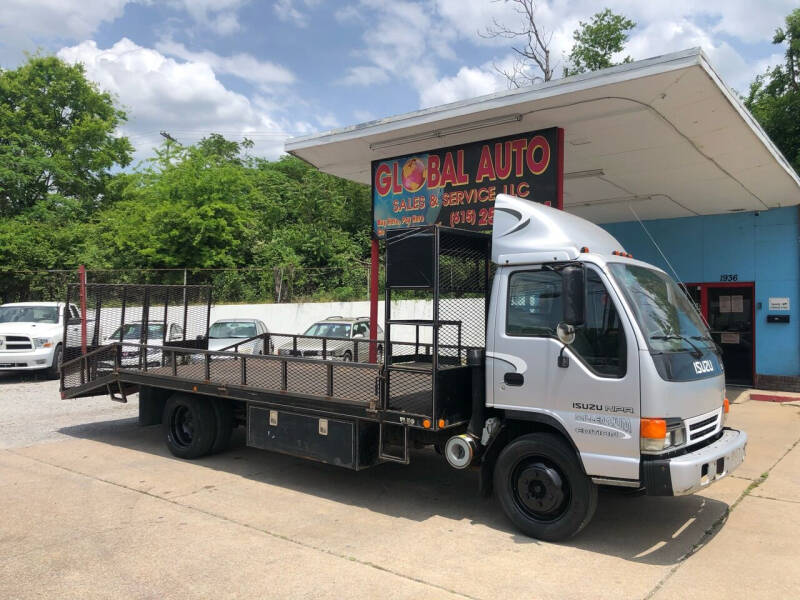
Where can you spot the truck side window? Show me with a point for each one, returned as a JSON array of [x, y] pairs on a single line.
[[534, 303], [601, 340], [534, 309]]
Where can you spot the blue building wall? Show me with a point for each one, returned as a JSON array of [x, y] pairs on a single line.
[[760, 247]]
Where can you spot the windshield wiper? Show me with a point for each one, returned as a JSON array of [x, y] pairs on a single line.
[[697, 352]]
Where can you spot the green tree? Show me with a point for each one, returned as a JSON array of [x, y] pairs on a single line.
[[597, 42], [57, 135], [774, 97]]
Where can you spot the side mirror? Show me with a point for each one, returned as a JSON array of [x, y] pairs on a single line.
[[573, 294], [565, 333]]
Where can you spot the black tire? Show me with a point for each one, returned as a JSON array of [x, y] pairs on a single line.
[[223, 413], [190, 425], [54, 370], [347, 356], [542, 487]]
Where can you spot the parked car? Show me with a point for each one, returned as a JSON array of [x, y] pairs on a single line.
[[227, 332], [340, 345], [132, 333], [32, 335]]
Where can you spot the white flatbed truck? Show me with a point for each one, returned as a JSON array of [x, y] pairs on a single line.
[[552, 361]]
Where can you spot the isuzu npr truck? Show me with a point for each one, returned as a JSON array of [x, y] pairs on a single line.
[[550, 360]]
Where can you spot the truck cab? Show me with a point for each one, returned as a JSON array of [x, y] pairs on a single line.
[[608, 352], [31, 335]]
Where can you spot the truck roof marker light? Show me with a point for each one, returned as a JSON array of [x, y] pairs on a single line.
[[584, 249], [655, 429], [441, 423], [426, 423]]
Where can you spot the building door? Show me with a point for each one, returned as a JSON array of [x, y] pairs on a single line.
[[728, 309]]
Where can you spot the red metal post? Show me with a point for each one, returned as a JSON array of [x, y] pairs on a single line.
[[373, 300], [82, 283]]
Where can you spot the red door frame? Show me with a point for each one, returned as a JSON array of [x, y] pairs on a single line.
[[704, 287]]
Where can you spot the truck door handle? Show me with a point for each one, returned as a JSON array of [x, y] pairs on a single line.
[[515, 379]]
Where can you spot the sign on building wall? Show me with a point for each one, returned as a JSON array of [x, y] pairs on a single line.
[[779, 304], [456, 186]]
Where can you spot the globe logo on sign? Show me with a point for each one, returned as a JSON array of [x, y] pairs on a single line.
[[414, 172]]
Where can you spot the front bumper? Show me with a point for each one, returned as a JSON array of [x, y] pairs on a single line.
[[693, 471], [32, 360]]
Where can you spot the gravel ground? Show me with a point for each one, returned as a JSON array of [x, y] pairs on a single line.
[[32, 411]]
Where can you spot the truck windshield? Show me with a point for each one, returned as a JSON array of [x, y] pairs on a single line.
[[667, 318], [28, 314]]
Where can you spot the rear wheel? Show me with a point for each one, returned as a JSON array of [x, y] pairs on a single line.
[[542, 488], [347, 356], [190, 425]]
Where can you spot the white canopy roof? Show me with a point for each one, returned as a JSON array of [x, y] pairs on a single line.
[[663, 137]]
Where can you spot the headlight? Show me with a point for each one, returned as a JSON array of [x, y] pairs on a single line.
[[657, 436], [42, 342]]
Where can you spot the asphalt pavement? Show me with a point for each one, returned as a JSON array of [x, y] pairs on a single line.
[[93, 506]]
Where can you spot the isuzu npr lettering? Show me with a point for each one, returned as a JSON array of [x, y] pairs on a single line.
[[550, 360]]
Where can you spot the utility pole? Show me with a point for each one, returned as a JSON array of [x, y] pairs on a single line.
[[170, 140]]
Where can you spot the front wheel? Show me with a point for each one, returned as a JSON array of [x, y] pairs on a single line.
[[54, 371], [347, 356], [542, 487]]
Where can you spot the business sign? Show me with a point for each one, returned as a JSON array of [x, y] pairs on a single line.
[[456, 186], [778, 304]]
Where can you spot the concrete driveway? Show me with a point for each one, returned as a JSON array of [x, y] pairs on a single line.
[[101, 510]]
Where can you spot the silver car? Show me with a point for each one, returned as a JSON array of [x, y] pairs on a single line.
[[342, 343], [227, 332]]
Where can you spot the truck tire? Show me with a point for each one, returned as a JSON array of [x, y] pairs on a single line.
[[223, 414], [54, 371], [347, 356], [542, 487], [190, 425]]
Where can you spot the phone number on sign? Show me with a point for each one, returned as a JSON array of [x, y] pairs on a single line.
[[482, 217]]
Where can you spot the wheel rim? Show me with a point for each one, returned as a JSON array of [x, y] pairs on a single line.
[[540, 489], [182, 426]]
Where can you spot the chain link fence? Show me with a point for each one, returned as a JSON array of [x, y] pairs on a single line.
[[255, 285]]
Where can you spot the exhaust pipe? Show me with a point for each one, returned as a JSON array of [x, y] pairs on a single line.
[[460, 450]]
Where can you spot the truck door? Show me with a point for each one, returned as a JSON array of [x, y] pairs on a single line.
[[595, 398]]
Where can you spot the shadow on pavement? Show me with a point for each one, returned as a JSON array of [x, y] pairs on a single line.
[[11, 377], [642, 529]]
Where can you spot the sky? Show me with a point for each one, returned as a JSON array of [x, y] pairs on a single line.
[[271, 69]]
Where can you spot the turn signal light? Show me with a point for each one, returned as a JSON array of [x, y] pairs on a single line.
[[726, 406], [584, 249], [653, 428], [426, 423], [441, 423]]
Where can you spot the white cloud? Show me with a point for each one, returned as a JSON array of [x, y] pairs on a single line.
[[185, 99], [64, 19], [243, 66], [364, 75], [220, 16], [469, 82], [419, 43], [288, 11]]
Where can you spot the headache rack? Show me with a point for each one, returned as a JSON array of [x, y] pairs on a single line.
[[420, 380]]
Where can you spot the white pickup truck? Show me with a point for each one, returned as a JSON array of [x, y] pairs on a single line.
[[32, 335]]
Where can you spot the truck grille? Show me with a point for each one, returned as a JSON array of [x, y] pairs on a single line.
[[703, 426], [15, 343]]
